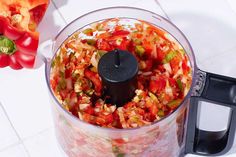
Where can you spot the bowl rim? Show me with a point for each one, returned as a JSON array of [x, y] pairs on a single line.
[[124, 130]]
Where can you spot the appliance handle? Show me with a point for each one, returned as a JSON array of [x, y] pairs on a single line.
[[44, 53], [216, 89]]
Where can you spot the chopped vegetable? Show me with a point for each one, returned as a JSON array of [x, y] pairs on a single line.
[[88, 31], [120, 155], [180, 85], [169, 56], [101, 53], [153, 97], [91, 42], [161, 113], [174, 103], [137, 41], [76, 83], [139, 50]]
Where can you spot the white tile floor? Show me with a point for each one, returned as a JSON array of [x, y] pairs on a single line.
[[25, 117], [8, 135], [37, 147], [14, 151]]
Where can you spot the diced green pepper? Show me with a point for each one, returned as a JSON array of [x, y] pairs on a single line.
[[120, 155], [89, 92], [101, 53], [88, 31], [139, 50], [67, 101], [161, 113], [56, 61], [169, 57], [140, 97], [53, 64], [180, 85], [91, 42], [115, 149], [137, 41], [99, 27], [174, 103], [182, 51], [61, 84], [62, 74], [152, 96]]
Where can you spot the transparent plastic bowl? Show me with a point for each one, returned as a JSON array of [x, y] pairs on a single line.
[[165, 138]]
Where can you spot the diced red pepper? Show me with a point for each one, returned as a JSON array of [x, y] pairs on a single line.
[[102, 44], [148, 47], [157, 85], [95, 79], [120, 33], [185, 66], [89, 110]]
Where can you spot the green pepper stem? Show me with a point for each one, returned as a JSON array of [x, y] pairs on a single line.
[[7, 46]]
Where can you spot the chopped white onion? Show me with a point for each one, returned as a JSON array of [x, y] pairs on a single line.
[[83, 106]]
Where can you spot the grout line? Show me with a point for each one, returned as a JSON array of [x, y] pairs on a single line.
[[37, 134], [17, 134], [21, 141], [26, 150], [59, 12], [5, 112], [10, 146], [158, 3]]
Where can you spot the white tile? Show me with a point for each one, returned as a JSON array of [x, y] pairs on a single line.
[[232, 4], [16, 151], [223, 64], [24, 95], [43, 145], [71, 9], [209, 25], [150, 5], [51, 24], [7, 134]]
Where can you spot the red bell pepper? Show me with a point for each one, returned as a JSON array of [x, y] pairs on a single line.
[[18, 38], [17, 48]]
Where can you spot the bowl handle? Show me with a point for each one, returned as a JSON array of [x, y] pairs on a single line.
[[219, 90], [45, 53]]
